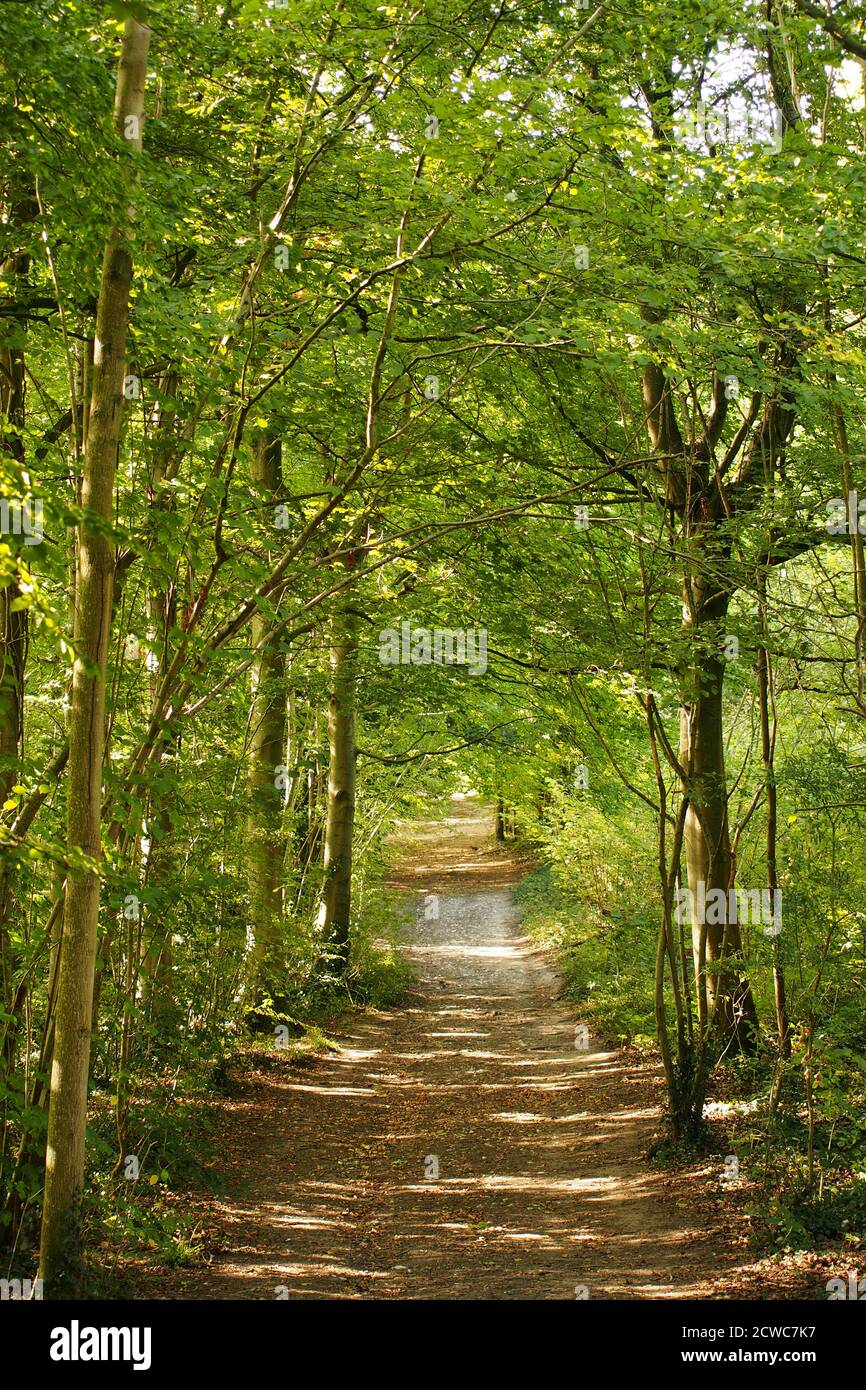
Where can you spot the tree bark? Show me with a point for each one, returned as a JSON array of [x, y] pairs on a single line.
[[13, 619], [156, 961], [767, 708], [60, 1262], [336, 903], [722, 994], [13, 652], [264, 840]]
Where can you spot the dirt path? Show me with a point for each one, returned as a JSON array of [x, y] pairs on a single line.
[[541, 1187]]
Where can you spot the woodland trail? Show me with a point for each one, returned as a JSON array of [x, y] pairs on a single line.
[[543, 1186]]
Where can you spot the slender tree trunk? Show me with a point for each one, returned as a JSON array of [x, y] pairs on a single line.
[[722, 994], [13, 646], [264, 840], [304, 802], [336, 904], [157, 974], [156, 963], [13, 649], [858, 543], [677, 1069], [60, 1266], [768, 748]]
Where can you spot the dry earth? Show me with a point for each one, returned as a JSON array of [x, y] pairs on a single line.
[[543, 1187]]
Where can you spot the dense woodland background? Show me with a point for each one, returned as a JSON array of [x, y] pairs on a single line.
[[534, 319]]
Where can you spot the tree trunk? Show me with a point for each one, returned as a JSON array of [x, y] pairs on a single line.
[[722, 995], [767, 708], [59, 1265], [13, 626], [13, 651], [858, 546], [264, 840], [336, 904], [157, 971], [157, 981]]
